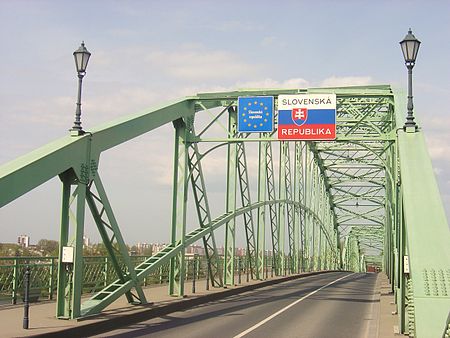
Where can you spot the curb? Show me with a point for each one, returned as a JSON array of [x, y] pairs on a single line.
[[110, 324]]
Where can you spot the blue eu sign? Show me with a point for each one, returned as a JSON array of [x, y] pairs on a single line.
[[255, 114]]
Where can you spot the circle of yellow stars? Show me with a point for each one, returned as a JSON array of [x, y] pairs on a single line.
[[255, 125]]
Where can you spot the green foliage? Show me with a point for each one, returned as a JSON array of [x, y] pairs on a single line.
[[48, 247], [12, 250], [98, 249]]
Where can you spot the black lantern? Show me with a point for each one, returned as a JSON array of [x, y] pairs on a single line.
[[410, 47], [81, 56]]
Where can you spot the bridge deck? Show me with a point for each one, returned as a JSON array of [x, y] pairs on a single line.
[[42, 320]]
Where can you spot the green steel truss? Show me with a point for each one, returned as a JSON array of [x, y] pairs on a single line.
[[367, 199]]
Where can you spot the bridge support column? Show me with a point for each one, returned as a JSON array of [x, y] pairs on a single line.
[[70, 274], [299, 197], [261, 219], [179, 205], [282, 207], [307, 215], [296, 220], [230, 229], [64, 278]]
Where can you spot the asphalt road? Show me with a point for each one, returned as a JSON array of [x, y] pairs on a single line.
[[337, 304]]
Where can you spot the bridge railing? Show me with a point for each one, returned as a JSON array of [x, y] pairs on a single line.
[[98, 272]]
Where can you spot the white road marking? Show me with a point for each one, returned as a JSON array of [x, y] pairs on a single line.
[[254, 327]]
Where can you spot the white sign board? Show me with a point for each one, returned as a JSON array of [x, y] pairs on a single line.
[[307, 117], [67, 254]]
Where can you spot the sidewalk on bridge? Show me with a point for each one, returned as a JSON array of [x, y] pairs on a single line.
[[43, 320], [387, 318]]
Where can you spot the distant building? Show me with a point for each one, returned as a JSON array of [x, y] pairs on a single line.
[[240, 252], [221, 251], [142, 246], [23, 241], [86, 241], [195, 249], [156, 247]]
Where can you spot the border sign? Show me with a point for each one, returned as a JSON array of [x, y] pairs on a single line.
[[255, 114], [307, 117]]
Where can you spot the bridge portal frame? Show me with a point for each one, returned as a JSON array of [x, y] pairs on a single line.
[[387, 164]]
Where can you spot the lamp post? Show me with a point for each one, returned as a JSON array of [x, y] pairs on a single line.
[[410, 48], [81, 56]]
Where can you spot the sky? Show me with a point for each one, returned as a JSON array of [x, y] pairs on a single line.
[[145, 53]]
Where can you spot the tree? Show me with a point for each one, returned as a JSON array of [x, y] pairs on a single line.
[[13, 250], [48, 247]]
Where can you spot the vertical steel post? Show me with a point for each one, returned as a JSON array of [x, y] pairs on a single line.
[[312, 224], [105, 272], [51, 281], [63, 302], [15, 281], [78, 251], [26, 307], [239, 269], [282, 208], [194, 271], [261, 220], [306, 200], [247, 267], [230, 228], [207, 276], [297, 209], [179, 205]]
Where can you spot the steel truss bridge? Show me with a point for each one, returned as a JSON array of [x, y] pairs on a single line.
[[369, 198]]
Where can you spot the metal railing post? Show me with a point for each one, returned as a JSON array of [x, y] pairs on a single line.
[[15, 281], [267, 267], [105, 269], [52, 283], [207, 276], [26, 307], [194, 268], [247, 265], [239, 269]]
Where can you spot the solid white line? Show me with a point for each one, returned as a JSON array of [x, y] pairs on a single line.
[[287, 307]]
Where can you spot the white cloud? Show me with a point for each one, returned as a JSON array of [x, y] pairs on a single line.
[[271, 83], [266, 83], [438, 146], [335, 81], [201, 64], [53, 112]]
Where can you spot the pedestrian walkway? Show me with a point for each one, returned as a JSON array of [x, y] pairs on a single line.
[[388, 318], [44, 322]]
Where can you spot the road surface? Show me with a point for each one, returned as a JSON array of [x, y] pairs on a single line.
[[336, 304]]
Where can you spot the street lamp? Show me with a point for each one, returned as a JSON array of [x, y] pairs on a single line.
[[410, 47], [81, 56]]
